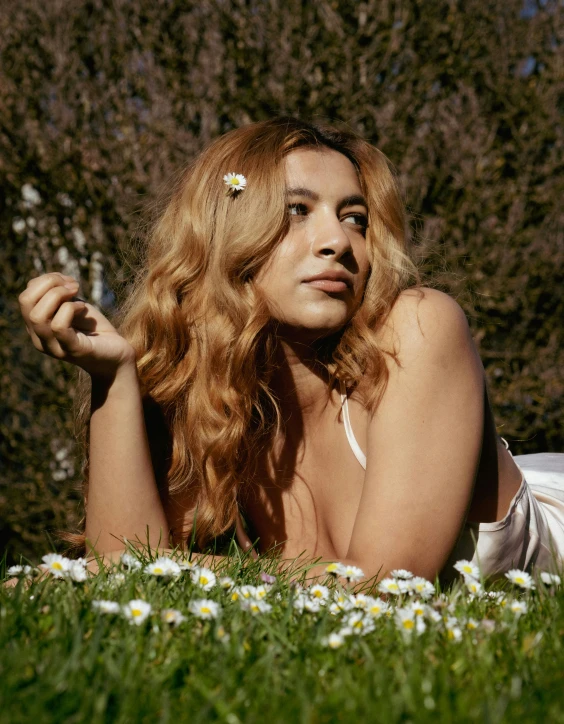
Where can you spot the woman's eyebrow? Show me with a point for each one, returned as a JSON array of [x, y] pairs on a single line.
[[353, 200]]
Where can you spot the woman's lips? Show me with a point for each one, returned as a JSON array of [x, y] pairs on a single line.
[[328, 285]]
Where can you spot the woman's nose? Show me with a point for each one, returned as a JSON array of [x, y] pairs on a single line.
[[330, 238]]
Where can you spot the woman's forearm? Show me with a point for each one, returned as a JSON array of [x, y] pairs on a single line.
[[123, 498]]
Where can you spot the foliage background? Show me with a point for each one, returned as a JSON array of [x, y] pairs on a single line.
[[101, 101]]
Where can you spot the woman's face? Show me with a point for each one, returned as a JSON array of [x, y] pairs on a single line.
[[328, 219]]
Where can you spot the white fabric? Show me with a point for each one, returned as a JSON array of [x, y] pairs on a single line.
[[532, 531]]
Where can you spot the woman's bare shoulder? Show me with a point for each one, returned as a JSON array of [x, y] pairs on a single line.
[[423, 319]]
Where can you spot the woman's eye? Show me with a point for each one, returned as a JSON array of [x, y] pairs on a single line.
[[359, 220], [297, 209]]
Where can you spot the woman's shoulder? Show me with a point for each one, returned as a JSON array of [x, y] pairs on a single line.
[[424, 320]]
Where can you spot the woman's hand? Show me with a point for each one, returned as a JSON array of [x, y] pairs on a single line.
[[73, 331]]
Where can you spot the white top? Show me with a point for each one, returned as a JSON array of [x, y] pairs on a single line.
[[531, 532]]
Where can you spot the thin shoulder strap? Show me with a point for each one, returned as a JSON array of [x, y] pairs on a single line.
[[360, 456]]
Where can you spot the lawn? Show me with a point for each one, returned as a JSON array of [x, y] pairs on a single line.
[[178, 642]]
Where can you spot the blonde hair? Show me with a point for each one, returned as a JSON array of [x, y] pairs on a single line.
[[202, 331]]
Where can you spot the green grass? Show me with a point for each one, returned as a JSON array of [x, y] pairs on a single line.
[[63, 661]]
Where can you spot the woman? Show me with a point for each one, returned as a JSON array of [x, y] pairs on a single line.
[[279, 359]]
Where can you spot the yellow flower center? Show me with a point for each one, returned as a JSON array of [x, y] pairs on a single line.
[[519, 580], [57, 566], [408, 623], [318, 594], [235, 596], [375, 609], [169, 616], [450, 633], [158, 571], [235, 181], [136, 612], [203, 580], [205, 609], [467, 569], [393, 587], [358, 624]]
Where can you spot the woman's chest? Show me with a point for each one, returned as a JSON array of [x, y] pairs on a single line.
[[305, 496]]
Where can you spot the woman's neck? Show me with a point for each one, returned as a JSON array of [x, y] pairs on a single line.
[[300, 383]]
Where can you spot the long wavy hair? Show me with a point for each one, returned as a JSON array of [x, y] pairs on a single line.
[[204, 337]]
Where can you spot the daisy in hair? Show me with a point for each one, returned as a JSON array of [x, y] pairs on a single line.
[[204, 608], [172, 616], [467, 568], [136, 611], [106, 606], [235, 181], [203, 577], [520, 578]]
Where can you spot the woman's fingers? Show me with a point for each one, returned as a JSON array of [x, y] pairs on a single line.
[[37, 287], [69, 343]]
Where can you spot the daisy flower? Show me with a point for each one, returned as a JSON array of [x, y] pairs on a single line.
[[163, 566], [130, 562], [333, 641], [518, 607], [474, 586], [235, 181], [435, 616], [422, 586], [418, 608], [186, 565], [358, 623], [454, 633], [303, 602], [203, 577], [320, 593], [267, 578], [471, 624], [343, 601], [390, 585], [376, 607], [352, 573], [405, 620], [20, 571], [136, 611], [77, 571], [222, 635], [467, 568], [255, 607], [106, 606], [549, 579], [171, 615], [227, 583], [116, 579], [520, 578], [204, 608], [401, 573], [57, 565], [335, 569]]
